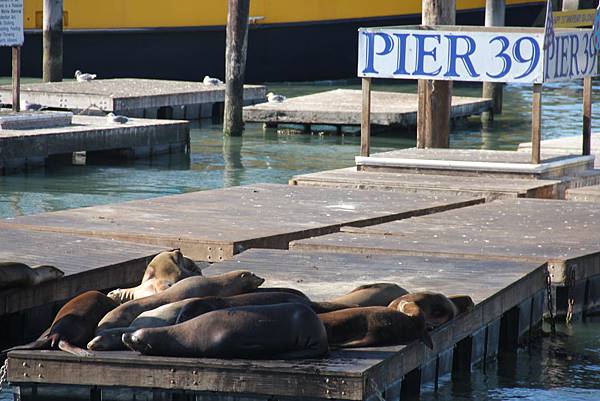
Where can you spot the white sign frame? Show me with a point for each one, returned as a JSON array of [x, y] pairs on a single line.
[[11, 23]]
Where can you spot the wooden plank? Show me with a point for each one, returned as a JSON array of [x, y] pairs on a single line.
[[365, 122], [259, 216], [569, 145], [536, 123], [587, 116], [16, 79], [344, 106], [584, 194], [52, 59], [88, 263]]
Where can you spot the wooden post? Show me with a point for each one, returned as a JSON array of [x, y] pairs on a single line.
[[536, 123], [238, 12], [53, 41], [495, 11], [435, 97], [587, 116], [365, 121], [16, 78]]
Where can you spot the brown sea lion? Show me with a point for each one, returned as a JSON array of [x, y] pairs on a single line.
[[281, 331], [377, 294], [436, 307], [373, 326], [15, 274], [226, 284], [464, 303], [164, 270], [181, 311], [74, 324]]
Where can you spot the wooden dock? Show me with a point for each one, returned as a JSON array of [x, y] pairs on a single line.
[[433, 184], [568, 145], [214, 225], [509, 300], [584, 194], [342, 107], [87, 263], [133, 97], [29, 148]]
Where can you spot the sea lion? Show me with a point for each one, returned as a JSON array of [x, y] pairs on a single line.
[[373, 326], [436, 307], [464, 303], [280, 331], [164, 270], [74, 324], [182, 311], [226, 284], [377, 294], [15, 274]]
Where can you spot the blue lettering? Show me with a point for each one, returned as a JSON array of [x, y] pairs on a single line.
[[401, 69], [533, 60], [564, 56], [507, 61], [453, 55], [422, 53], [370, 49], [574, 51]]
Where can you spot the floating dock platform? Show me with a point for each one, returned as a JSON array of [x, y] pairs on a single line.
[[509, 298], [29, 148], [217, 224], [342, 107], [584, 194], [87, 264], [133, 97], [572, 145]]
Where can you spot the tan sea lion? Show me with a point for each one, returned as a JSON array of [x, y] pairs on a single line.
[[226, 284], [377, 294], [373, 326], [15, 274], [164, 270], [281, 331], [181, 311], [436, 307], [74, 324]]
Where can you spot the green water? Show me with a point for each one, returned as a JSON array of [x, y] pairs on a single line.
[[567, 369]]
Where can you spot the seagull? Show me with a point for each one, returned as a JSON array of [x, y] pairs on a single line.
[[33, 106], [211, 81], [111, 118], [84, 77], [273, 98]]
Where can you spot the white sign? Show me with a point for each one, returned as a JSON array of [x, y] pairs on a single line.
[[11, 22], [483, 55]]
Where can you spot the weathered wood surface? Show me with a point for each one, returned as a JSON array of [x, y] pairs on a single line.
[[430, 183], [365, 118], [258, 216], [88, 263], [568, 145], [523, 229], [122, 94], [52, 41], [344, 374], [343, 107], [476, 162], [584, 194]]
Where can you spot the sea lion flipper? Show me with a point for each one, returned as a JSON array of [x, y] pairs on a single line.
[[72, 349], [40, 343]]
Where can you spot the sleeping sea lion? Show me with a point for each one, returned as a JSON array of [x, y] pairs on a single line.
[[373, 326], [15, 274], [181, 311], [164, 270], [464, 303], [226, 284], [436, 307], [377, 294], [280, 331], [74, 324]]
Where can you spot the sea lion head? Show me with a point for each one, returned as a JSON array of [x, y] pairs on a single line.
[[141, 340], [166, 264], [463, 303], [242, 281], [106, 341], [435, 307], [46, 273]]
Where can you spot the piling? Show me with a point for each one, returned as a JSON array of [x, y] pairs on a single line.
[[433, 119], [495, 11], [235, 65], [16, 78], [53, 41]]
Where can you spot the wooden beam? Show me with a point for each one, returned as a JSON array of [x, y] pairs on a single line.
[[16, 78], [495, 11], [587, 116], [365, 121], [53, 41], [238, 12], [536, 123], [435, 97]]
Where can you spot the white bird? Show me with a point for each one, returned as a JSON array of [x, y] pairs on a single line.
[[211, 81], [273, 98], [84, 77], [111, 118], [33, 106]]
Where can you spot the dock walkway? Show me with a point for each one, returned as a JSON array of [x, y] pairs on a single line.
[[342, 107], [134, 97], [509, 305], [567, 145], [214, 225]]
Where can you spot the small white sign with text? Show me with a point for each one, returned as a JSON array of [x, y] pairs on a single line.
[[11, 23]]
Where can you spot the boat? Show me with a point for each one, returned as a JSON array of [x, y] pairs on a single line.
[[289, 40]]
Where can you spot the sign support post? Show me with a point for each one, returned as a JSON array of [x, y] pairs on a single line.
[[587, 115], [12, 35], [495, 11], [16, 78], [365, 121], [536, 123]]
